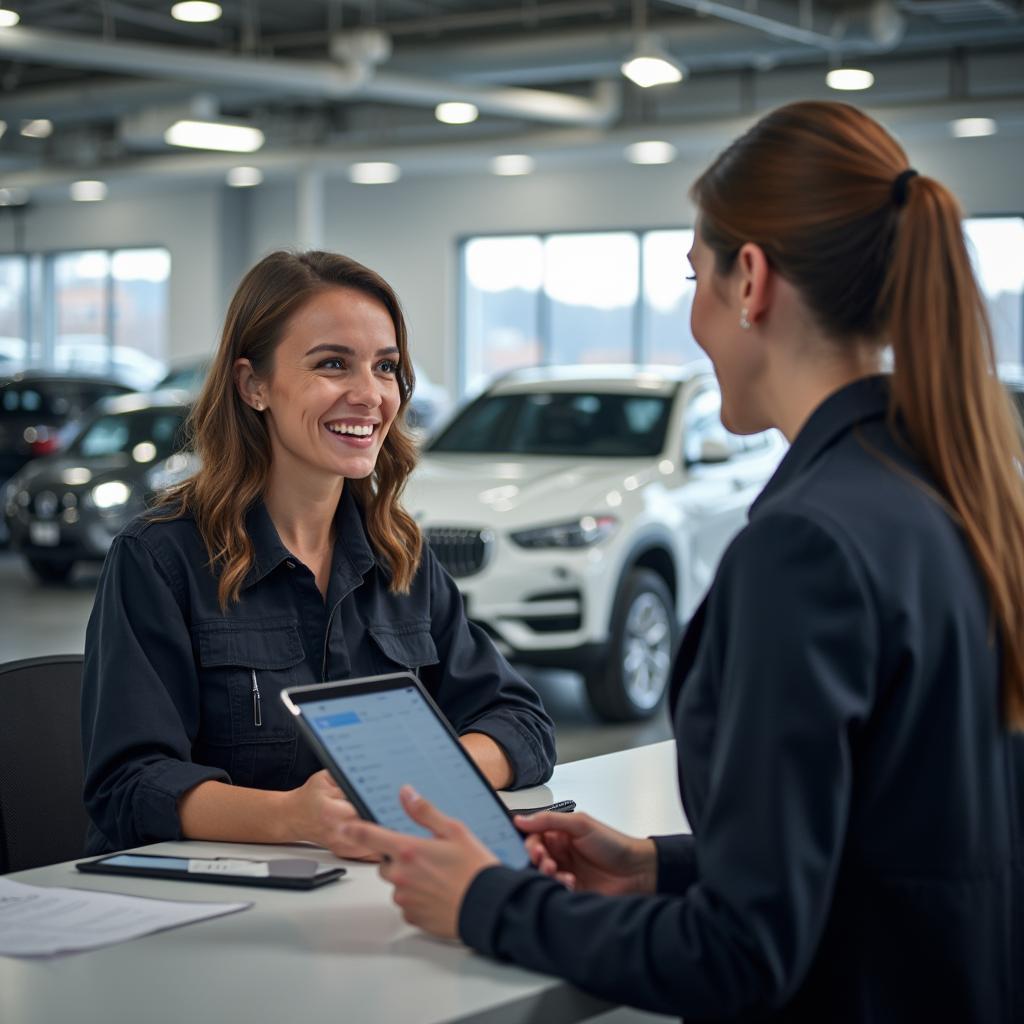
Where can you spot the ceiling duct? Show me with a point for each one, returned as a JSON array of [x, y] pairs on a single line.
[[354, 77]]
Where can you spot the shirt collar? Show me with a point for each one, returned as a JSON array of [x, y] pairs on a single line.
[[864, 399], [352, 551]]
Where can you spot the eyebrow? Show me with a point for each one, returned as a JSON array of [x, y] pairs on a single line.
[[346, 351]]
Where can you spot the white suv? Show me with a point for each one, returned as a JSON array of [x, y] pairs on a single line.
[[583, 511]]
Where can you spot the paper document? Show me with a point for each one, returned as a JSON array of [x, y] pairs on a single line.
[[39, 921]]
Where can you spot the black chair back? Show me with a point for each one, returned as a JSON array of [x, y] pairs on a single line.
[[42, 817]]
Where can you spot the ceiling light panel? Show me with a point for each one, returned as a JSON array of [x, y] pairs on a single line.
[[8, 18], [973, 127], [456, 113], [511, 164], [652, 151], [221, 136], [374, 173], [196, 11], [651, 67], [88, 191], [849, 79], [244, 177]]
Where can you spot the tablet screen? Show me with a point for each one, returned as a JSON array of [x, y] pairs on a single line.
[[383, 739]]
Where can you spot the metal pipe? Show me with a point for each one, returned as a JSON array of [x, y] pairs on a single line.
[[321, 79]]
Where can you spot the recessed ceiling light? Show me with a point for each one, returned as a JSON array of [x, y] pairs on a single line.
[[849, 79], [219, 135], [196, 11], [88, 191], [40, 128], [650, 66], [973, 127], [456, 113], [512, 164], [244, 177], [8, 18], [13, 196], [374, 173], [651, 152]]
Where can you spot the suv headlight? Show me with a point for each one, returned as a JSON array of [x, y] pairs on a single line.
[[577, 533]]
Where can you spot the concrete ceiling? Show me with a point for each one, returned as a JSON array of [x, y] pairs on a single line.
[[330, 82]]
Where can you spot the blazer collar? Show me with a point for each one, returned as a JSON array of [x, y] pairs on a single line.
[[864, 399]]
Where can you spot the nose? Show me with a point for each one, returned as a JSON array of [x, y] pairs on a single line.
[[364, 389]]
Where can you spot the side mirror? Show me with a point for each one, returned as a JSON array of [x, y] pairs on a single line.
[[714, 450]]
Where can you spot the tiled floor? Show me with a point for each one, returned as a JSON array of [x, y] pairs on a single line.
[[36, 620]]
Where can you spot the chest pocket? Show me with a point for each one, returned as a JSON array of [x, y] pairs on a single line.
[[403, 645], [253, 739]]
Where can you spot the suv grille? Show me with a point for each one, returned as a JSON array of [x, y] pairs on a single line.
[[461, 552]]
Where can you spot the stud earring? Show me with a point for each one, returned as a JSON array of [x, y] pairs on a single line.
[[744, 320]]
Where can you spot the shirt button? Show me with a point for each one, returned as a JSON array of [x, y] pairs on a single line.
[[290, 564]]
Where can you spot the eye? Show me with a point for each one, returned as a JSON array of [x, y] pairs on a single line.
[[691, 277], [332, 363], [388, 366]]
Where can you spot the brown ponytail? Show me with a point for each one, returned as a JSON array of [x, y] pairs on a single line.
[[813, 185]]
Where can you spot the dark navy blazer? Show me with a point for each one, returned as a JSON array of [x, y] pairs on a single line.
[[168, 698], [854, 795]]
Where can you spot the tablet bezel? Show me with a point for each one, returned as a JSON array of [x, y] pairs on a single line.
[[296, 697]]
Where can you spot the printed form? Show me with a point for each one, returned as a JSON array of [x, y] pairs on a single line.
[[41, 921]]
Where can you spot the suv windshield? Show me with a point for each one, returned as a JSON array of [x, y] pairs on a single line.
[[148, 434], [560, 423]]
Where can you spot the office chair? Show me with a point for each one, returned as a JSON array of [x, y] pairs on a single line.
[[42, 818]]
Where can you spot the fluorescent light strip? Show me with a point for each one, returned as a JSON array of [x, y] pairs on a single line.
[[849, 79], [456, 113], [973, 127], [8, 18], [653, 151], [88, 191], [511, 164], [227, 138], [244, 177]]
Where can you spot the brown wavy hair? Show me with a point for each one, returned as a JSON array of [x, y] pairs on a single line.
[[813, 184], [231, 438]]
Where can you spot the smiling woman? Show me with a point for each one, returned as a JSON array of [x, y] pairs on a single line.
[[286, 559]]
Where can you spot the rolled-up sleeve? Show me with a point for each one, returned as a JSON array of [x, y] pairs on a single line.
[[140, 704], [480, 692], [739, 915]]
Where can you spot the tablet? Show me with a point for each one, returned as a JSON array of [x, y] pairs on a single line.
[[280, 873], [378, 733]]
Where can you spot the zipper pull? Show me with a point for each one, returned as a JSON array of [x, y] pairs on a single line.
[[257, 713]]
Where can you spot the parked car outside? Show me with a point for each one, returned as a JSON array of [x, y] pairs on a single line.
[[36, 409], [429, 407], [583, 512], [68, 507]]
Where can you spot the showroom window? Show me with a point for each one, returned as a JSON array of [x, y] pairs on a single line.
[[95, 310], [623, 296]]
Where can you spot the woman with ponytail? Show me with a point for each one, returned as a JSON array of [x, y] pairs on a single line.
[[848, 700], [287, 559]]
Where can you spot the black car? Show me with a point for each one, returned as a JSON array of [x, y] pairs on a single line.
[[68, 507], [35, 405]]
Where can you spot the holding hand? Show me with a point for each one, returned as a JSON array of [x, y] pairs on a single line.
[[320, 812], [585, 854], [430, 876]]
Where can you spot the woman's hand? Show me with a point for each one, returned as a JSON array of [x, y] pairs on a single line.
[[319, 813], [430, 876], [584, 854]]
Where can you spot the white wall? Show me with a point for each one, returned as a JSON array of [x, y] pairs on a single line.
[[409, 231]]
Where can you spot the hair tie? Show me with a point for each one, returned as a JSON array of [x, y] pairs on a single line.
[[899, 186]]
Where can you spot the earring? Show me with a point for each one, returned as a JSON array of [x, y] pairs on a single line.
[[744, 321], [259, 407]]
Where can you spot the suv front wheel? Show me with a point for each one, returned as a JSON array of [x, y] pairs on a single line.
[[630, 683]]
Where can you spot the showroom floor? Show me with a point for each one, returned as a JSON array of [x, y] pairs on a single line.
[[37, 620]]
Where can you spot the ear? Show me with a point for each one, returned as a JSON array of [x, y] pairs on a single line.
[[250, 387], [755, 281]]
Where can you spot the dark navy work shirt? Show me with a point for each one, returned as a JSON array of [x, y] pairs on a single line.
[[858, 848], [169, 698]]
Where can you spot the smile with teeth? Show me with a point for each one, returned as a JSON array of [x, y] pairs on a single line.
[[352, 429]]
